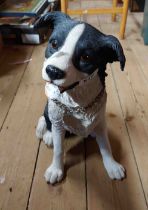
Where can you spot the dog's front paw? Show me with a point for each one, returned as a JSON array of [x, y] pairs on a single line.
[[47, 138], [53, 174], [114, 169]]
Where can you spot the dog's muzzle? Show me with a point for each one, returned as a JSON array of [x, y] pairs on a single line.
[[54, 73]]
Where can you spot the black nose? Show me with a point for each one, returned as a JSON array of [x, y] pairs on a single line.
[[54, 73]]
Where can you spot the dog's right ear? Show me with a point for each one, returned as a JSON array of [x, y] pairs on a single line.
[[51, 19]]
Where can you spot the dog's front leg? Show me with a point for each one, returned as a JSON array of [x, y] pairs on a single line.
[[55, 171], [113, 168]]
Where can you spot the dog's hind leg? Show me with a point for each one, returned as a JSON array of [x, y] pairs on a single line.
[[43, 130], [113, 168], [47, 138], [41, 127]]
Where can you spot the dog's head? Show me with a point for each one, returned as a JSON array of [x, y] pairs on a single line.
[[76, 49]]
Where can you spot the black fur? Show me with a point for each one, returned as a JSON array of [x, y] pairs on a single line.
[[48, 123], [98, 47]]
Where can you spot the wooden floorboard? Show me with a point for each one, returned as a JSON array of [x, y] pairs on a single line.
[[10, 75], [86, 186], [137, 80], [18, 145], [136, 124], [141, 53]]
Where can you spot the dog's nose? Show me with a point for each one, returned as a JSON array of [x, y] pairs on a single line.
[[54, 73]]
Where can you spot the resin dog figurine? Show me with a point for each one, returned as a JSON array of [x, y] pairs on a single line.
[[74, 71]]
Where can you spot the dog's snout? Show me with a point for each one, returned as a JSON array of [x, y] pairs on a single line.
[[54, 72]]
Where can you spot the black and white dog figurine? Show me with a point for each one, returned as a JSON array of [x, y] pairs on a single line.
[[74, 71]]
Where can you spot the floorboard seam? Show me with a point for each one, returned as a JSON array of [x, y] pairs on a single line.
[[85, 148], [33, 175]]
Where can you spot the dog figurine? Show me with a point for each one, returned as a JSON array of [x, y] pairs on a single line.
[[74, 71]]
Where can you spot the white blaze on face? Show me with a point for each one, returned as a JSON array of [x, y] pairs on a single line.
[[72, 38], [62, 58]]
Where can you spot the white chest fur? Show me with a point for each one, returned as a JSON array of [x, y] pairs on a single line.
[[80, 108]]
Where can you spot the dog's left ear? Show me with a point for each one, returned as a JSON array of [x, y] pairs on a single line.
[[112, 51]]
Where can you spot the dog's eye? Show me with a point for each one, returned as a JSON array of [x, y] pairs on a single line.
[[54, 43], [85, 58]]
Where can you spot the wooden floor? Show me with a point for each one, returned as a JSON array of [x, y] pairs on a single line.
[[23, 159]]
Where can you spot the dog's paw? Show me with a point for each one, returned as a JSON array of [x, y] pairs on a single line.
[[114, 169], [53, 174], [41, 127], [47, 138]]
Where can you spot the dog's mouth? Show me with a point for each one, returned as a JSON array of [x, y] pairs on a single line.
[[61, 88], [73, 85]]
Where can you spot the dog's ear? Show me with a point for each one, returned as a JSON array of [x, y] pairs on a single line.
[[51, 19], [112, 51]]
